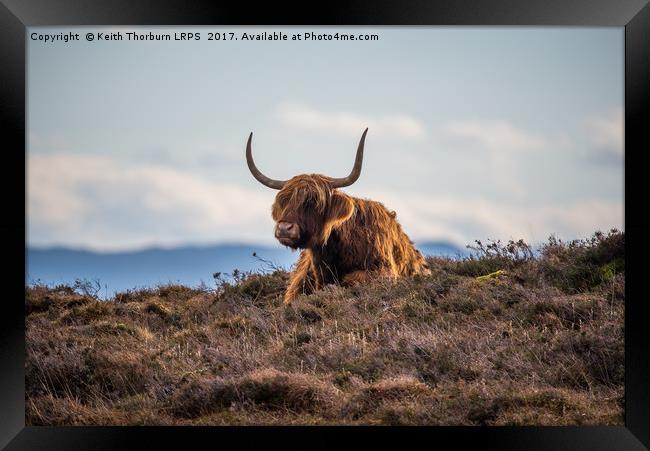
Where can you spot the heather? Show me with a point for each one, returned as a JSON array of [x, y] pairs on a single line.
[[508, 336]]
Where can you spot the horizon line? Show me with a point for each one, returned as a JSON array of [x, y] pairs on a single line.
[[172, 247]]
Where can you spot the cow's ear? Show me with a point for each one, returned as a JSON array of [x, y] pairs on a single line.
[[341, 209]]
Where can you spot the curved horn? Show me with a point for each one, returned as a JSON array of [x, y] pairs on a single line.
[[264, 180], [356, 170]]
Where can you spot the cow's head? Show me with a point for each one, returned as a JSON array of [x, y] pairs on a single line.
[[308, 207]]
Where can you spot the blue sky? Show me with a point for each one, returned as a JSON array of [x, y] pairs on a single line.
[[474, 132]]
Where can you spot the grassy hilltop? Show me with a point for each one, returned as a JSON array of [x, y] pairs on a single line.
[[504, 337]]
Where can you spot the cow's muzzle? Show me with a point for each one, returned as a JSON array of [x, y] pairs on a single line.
[[287, 233]]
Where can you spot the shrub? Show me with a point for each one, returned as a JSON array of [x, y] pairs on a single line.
[[582, 265]]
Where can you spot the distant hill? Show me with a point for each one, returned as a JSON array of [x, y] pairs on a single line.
[[123, 270], [442, 249], [189, 265]]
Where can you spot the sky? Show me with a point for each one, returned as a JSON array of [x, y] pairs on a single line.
[[474, 132]]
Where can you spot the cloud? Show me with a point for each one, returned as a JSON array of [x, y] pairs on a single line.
[[104, 203], [461, 221], [502, 144], [400, 125], [498, 136], [606, 131]]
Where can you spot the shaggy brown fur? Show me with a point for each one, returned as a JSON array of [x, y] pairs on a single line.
[[344, 239]]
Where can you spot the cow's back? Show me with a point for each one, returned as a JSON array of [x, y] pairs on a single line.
[[373, 239]]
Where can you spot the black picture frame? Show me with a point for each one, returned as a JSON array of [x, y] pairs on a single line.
[[634, 15]]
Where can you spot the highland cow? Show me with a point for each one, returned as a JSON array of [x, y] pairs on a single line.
[[344, 239]]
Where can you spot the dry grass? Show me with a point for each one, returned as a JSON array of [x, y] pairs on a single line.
[[539, 342]]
